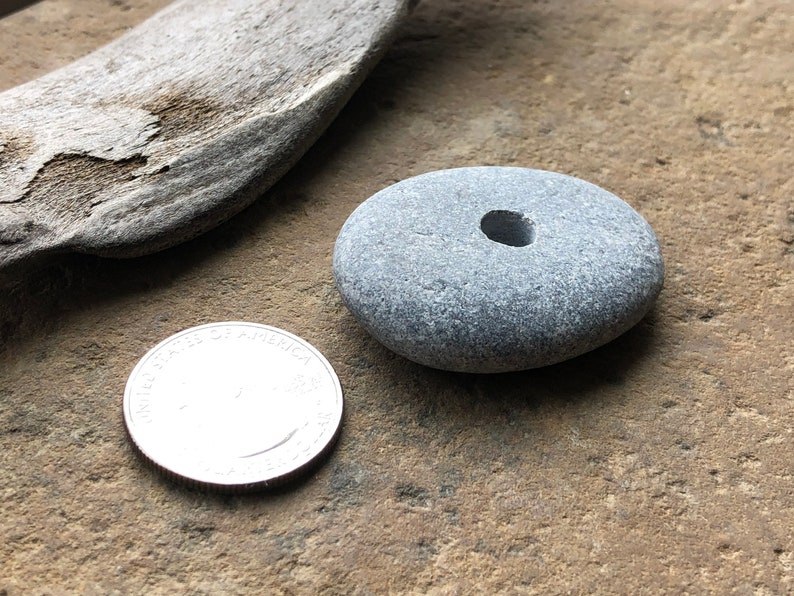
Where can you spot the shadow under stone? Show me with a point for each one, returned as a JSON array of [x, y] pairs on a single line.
[[412, 400]]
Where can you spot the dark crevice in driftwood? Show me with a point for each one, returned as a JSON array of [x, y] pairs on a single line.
[[64, 190], [181, 112], [15, 149], [66, 187]]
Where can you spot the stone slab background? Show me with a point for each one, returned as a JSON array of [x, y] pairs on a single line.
[[660, 463]]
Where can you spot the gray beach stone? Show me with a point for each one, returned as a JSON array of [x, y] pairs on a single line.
[[495, 269]]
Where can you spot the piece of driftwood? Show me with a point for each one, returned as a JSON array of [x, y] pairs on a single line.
[[179, 124]]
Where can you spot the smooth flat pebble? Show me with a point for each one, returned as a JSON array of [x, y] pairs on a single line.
[[496, 269]]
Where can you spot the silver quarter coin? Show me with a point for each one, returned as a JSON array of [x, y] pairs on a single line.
[[233, 406]]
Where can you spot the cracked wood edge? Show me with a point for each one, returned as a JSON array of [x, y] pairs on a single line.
[[179, 124]]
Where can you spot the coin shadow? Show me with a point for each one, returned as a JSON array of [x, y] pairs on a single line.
[[234, 497]]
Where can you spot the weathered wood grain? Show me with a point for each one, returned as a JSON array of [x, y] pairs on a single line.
[[179, 124]]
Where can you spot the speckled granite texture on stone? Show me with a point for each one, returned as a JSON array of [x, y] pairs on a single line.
[[495, 269], [659, 463]]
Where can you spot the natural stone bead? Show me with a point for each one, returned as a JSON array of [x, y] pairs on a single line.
[[492, 269]]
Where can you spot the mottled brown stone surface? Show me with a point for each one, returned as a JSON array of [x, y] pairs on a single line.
[[659, 463]]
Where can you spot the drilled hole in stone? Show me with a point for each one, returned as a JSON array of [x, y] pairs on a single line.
[[508, 227]]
